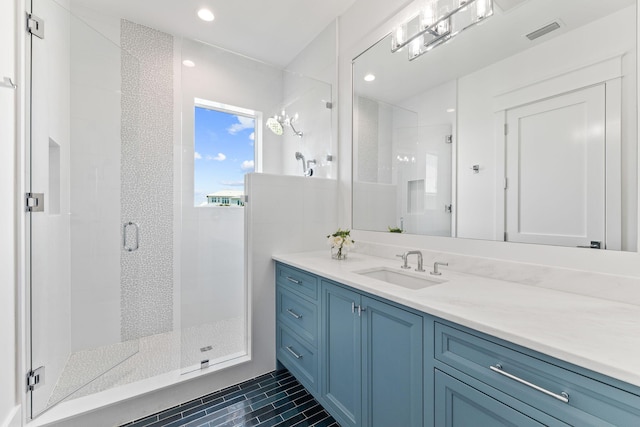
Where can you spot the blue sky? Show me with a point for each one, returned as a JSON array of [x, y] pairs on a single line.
[[224, 152]]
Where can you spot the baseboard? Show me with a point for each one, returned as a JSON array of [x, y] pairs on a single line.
[[13, 418]]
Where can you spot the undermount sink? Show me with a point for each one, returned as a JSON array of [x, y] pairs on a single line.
[[400, 278]]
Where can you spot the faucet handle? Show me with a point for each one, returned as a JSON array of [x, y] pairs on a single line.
[[404, 258], [435, 271]]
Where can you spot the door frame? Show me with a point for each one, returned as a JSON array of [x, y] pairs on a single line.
[[608, 72]]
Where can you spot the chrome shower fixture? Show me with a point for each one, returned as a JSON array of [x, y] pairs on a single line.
[[274, 125], [277, 123], [307, 170]]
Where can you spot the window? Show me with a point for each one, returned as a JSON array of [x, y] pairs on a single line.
[[226, 147]]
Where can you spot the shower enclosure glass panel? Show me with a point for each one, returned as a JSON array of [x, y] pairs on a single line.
[[213, 293], [83, 243]]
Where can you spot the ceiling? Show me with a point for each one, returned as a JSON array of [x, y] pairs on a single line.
[[273, 31]]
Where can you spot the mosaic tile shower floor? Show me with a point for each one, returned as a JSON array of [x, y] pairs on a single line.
[[91, 371], [274, 399]]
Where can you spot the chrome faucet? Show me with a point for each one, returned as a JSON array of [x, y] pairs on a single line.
[[405, 256], [435, 271]]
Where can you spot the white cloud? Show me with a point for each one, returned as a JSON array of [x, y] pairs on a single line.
[[233, 183], [247, 165], [252, 136], [220, 157], [243, 123], [196, 155]]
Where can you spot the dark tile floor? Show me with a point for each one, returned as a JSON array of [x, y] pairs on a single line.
[[274, 399]]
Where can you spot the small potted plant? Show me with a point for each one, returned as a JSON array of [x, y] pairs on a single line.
[[340, 242]]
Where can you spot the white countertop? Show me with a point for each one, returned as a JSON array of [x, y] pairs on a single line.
[[594, 333]]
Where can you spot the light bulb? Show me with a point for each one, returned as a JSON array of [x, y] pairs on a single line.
[[481, 8], [427, 15], [414, 47], [400, 35], [206, 15]]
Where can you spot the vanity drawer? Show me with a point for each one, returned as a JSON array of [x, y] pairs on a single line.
[[298, 314], [590, 402], [297, 280], [298, 356]]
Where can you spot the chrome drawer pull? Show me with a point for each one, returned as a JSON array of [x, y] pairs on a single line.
[[294, 314], [296, 355], [297, 282], [563, 397]]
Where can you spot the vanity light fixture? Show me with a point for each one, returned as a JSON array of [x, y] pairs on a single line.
[[206, 15], [188, 63], [369, 77], [438, 22]]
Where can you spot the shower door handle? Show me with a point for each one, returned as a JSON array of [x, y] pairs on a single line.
[[125, 234]]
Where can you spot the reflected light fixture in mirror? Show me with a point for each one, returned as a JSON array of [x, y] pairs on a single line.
[[188, 63], [369, 77], [437, 22]]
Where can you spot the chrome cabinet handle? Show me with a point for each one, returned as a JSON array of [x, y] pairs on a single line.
[[297, 282], [563, 396], [353, 307], [361, 309], [296, 355], [125, 233], [294, 314]]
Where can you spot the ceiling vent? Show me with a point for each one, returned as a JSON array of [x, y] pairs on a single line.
[[542, 31]]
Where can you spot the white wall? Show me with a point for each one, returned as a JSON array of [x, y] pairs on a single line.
[[317, 62], [300, 224], [356, 35], [9, 410], [476, 94]]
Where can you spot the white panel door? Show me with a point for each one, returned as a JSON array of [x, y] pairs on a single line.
[[556, 170]]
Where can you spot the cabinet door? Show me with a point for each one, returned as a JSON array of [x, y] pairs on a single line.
[[459, 405], [341, 354], [392, 366]]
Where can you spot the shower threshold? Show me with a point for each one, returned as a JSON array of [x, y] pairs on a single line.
[[161, 360]]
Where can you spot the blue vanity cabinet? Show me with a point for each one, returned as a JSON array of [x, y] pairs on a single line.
[[297, 324], [372, 360], [458, 404], [341, 384], [375, 363], [553, 392], [392, 365]]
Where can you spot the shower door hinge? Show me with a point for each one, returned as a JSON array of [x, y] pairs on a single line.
[[448, 208], [34, 202], [448, 139], [35, 378], [35, 25]]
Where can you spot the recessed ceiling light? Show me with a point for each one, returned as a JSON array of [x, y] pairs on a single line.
[[205, 15], [188, 63], [369, 78]]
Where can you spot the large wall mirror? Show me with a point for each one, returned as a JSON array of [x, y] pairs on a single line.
[[522, 128]]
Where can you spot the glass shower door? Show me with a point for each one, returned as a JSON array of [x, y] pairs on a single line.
[[80, 242]]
